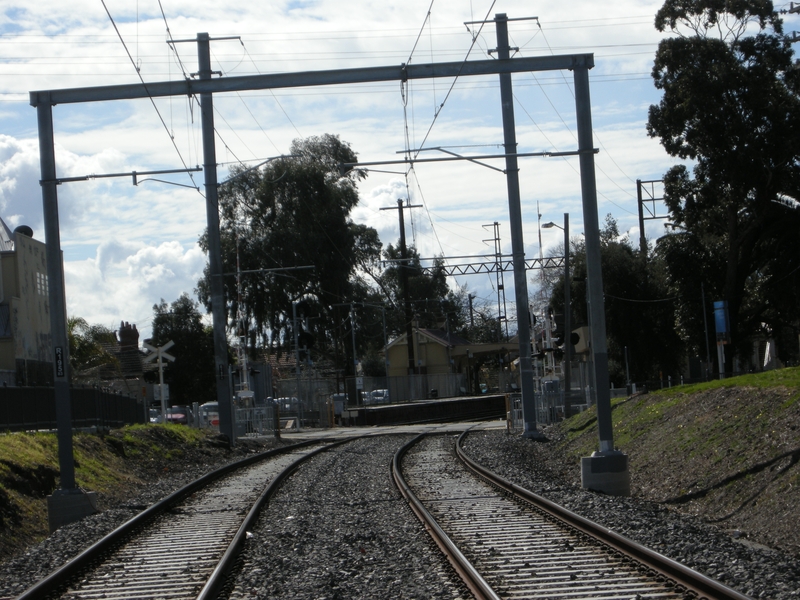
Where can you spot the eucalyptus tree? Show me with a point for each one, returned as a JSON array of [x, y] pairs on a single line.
[[730, 107], [191, 375], [638, 303], [286, 228]]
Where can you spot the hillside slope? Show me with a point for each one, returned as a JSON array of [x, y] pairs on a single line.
[[117, 466], [726, 451]]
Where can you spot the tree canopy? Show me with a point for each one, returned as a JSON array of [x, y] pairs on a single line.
[[286, 226], [90, 347], [730, 105], [191, 376], [638, 305]]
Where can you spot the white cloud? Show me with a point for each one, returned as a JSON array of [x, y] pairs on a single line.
[[126, 247], [123, 282]]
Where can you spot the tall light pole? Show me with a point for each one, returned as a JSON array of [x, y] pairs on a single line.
[[567, 316]]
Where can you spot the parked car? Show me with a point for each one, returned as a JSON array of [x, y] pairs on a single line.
[[377, 397], [155, 415], [287, 405], [209, 415], [179, 414]]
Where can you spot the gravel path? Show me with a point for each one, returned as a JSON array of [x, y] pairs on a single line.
[[338, 528]]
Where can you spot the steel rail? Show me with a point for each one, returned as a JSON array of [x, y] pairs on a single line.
[[473, 580], [228, 561], [703, 586], [67, 572]]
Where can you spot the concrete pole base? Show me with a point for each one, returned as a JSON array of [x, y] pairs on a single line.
[[606, 472], [532, 433], [67, 506]]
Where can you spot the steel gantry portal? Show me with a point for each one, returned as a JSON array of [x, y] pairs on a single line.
[[205, 86]]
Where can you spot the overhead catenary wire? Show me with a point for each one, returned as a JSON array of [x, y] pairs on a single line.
[[172, 42], [597, 137], [569, 129], [453, 84], [152, 101], [437, 112], [283, 110]]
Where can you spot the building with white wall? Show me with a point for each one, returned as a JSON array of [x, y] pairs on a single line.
[[25, 340]]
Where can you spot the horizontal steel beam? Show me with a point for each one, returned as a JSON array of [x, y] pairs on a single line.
[[553, 262], [311, 78]]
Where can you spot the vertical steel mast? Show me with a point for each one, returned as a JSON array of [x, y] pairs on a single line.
[[517, 242]]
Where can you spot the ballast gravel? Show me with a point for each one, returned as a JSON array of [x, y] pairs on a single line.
[[750, 569], [21, 572], [338, 528]]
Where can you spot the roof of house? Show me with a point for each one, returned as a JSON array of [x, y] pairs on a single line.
[[439, 336], [6, 237]]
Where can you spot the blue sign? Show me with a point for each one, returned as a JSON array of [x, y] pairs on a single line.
[[721, 320]]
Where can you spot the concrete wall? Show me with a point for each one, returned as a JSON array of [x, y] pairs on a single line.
[[30, 313], [26, 343]]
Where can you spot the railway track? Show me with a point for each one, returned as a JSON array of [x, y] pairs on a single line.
[[182, 546], [506, 542]]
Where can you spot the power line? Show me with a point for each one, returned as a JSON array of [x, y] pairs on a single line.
[[569, 87], [283, 110], [419, 35], [152, 101], [171, 42], [455, 79]]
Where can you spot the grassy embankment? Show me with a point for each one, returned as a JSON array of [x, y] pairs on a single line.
[[728, 450], [105, 464]]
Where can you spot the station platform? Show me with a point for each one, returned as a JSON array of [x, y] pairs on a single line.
[[413, 429]]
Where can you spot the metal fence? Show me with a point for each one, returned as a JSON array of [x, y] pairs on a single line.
[[256, 421], [33, 408], [315, 391], [549, 403]]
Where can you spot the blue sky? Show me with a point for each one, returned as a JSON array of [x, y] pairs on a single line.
[[126, 247]]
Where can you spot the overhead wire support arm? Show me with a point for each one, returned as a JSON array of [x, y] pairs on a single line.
[[469, 158], [349, 166], [508, 20], [210, 39], [132, 174], [275, 270], [254, 167]]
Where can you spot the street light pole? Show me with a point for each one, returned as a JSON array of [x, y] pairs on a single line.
[[567, 317]]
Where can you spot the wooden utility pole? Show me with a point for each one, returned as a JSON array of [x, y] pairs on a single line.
[[408, 316]]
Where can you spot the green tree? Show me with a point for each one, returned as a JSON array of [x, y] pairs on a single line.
[[730, 104], [433, 304], [638, 306], [191, 376], [277, 220], [90, 347]]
